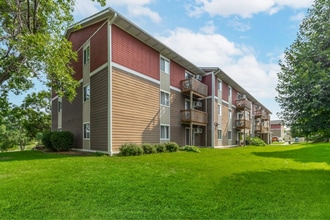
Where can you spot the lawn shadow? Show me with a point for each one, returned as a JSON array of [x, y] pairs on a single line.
[[32, 155], [315, 153], [275, 194]]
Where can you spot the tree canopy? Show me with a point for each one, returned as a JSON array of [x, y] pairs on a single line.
[[33, 45], [304, 81]]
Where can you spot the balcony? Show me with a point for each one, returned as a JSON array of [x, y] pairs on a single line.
[[261, 114], [243, 104], [262, 129], [241, 124], [198, 88], [194, 116]]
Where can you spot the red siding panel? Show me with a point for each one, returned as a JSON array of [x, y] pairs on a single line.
[[224, 91], [99, 48], [177, 74], [134, 54], [233, 96], [207, 80]]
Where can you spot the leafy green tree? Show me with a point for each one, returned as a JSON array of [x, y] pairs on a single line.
[[304, 81], [33, 45]]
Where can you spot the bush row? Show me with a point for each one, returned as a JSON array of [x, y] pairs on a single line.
[[130, 149], [58, 140]]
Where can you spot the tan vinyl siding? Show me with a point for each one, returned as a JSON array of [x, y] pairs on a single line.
[[72, 118], [135, 110], [177, 132], [99, 111]]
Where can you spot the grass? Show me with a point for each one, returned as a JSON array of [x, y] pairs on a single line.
[[273, 182]]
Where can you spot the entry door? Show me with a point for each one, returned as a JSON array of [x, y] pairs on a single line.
[[187, 135]]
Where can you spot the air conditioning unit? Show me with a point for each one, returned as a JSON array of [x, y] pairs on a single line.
[[198, 104], [198, 77], [198, 130]]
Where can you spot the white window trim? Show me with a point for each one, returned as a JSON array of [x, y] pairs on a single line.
[[219, 83], [219, 108], [169, 132], [86, 138], [169, 65], [189, 74], [169, 98], [59, 105], [231, 91], [86, 48], [218, 134], [89, 98], [231, 135]]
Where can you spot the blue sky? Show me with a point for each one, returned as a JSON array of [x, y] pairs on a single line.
[[244, 38]]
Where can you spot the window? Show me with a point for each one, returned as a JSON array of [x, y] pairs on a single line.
[[59, 105], [219, 85], [229, 91], [229, 134], [164, 98], [86, 55], [87, 92], [188, 75], [219, 109], [219, 134], [229, 114], [86, 131], [164, 132], [164, 65]]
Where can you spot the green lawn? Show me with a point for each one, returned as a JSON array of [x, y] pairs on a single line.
[[273, 182]]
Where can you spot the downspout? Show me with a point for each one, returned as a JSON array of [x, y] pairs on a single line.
[[212, 110], [110, 21]]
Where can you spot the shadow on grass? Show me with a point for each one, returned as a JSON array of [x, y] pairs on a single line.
[[280, 194], [310, 153], [29, 155]]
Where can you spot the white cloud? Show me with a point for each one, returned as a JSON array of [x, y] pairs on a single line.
[[243, 8], [135, 8], [238, 25], [209, 28], [238, 61], [298, 17]]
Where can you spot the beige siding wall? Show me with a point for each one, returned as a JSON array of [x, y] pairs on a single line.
[[177, 129], [135, 110], [99, 109]]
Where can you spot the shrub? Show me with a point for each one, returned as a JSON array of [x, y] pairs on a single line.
[[130, 150], [172, 146], [149, 149], [190, 148], [46, 140], [257, 142], [62, 140], [161, 148], [39, 136]]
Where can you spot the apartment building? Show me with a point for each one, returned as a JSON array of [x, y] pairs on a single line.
[[135, 89]]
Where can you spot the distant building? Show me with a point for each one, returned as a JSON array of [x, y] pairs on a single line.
[[277, 128]]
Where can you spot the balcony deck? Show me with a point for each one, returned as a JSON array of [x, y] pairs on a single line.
[[242, 104], [194, 116], [261, 129], [199, 89], [241, 124], [261, 114]]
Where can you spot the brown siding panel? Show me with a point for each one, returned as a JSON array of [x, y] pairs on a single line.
[[72, 118], [177, 129], [54, 115], [135, 106], [99, 111]]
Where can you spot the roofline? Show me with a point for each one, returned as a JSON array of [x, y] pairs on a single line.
[[223, 76], [135, 31]]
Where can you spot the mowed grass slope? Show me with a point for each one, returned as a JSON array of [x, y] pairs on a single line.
[[273, 182]]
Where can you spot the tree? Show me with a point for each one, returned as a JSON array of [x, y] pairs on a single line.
[[33, 45], [304, 81]]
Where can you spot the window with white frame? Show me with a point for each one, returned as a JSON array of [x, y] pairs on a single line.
[[164, 98], [188, 75], [86, 130], [229, 135], [229, 114], [219, 85], [86, 55], [59, 105], [219, 109], [229, 91], [164, 65], [164, 132], [219, 134], [87, 92]]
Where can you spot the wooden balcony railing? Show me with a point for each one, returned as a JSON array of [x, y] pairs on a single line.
[[199, 89], [194, 116], [242, 104], [241, 124], [262, 129], [261, 114]]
